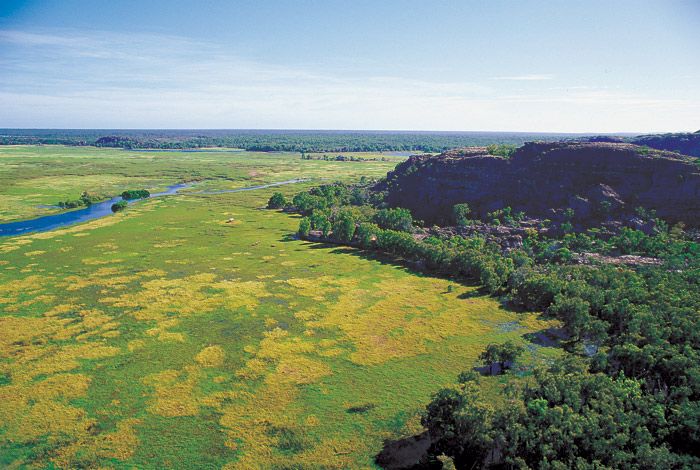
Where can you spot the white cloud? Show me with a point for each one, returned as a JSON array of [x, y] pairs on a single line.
[[63, 78]]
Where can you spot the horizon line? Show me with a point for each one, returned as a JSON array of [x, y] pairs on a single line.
[[289, 129]]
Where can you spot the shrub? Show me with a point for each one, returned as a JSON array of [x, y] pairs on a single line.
[[460, 214], [304, 227], [366, 234], [394, 219], [130, 194], [119, 206], [503, 150], [344, 227], [277, 201]]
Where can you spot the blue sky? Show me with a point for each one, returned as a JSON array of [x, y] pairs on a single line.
[[564, 66]]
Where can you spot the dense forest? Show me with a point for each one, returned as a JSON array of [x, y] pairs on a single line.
[[625, 393], [271, 140]]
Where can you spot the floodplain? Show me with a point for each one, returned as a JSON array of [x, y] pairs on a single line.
[[195, 331]]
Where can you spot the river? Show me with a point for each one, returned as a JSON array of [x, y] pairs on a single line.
[[104, 209]]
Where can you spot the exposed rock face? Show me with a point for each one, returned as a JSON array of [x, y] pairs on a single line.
[[682, 142], [685, 143], [597, 180]]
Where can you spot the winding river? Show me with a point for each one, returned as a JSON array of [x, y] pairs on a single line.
[[104, 209]]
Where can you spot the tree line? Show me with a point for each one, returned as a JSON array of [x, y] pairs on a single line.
[[626, 393]]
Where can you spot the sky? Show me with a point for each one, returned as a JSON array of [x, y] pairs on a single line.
[[532, 66]]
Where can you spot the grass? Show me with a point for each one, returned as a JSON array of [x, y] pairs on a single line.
[[164, 336]]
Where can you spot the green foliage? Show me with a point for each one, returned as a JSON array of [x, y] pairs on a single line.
[[276, 201], [501, 354], [366, 234], [319, 221], [344, 227], [130, 194], [304, 227], [394, 219], [641, 323], [119, 206], [565, 419], [85, 199], [505, 216], [270, 141], [460, 214], [306, 203], [459, 424], [503, 150]]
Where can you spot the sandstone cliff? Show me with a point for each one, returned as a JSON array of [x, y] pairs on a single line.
[[598, 180], [685, 143]]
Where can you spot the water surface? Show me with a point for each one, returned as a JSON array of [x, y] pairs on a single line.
[[93, 211], [103, 209]]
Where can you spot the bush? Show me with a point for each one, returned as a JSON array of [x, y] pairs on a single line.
[[304, 227], [135, 194], [460, 214], [503, 150], [277, 201], [394, 219], [366, 234], [344, 227], [119, 206], [307, 203]]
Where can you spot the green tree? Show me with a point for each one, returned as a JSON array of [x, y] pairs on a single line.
[[502, 354], [394, 219], [460, 214], [119, 206], [459, 424], [135, 194], [367, 234], [277, 201], [304, 227], [344, 227]]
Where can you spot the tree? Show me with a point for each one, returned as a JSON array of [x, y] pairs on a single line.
[[321, 222], [344, 227], [490, 356], [502, 354], [135, 194], [460, 213], [459, 425], [394, 219], [277, 201], [366, 234], [509, 353], [304, 227], [119, 206]]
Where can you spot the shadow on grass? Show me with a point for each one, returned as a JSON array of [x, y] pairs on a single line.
[[550, 337], [409, 453], [408, 266]]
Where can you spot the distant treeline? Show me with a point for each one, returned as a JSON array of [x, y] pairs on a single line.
[[271, 140]]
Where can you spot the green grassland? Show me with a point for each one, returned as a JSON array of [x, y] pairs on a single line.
[[167, 336]]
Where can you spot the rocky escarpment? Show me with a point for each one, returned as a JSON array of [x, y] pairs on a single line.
[[599, 181], [685, 143]]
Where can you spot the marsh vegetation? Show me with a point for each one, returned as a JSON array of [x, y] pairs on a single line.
[[166, 335]]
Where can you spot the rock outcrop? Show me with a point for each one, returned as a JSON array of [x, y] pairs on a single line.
[[599, 181], [685, 143]]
